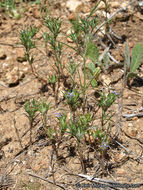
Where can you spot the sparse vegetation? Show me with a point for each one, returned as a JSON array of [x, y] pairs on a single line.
[[78, 113]]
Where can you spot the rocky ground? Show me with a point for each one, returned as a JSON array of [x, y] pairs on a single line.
[[17, 85]]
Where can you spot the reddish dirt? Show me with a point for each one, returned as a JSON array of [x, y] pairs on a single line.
[[36, 159]]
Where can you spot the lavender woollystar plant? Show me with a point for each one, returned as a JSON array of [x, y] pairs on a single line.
[[70, 95], [58, 115], [104, 145]]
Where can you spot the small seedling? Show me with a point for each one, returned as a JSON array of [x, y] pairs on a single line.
[[78, 131], [10, 8], [50, 37], [52, 82], [73, 99], [43, 109], [31, 108], [105, 103], [62, 118], [98, 136], [26, 37], [72, 70], [100, 142], [84, 120], [31, 186], [51, 133], [93, 74]]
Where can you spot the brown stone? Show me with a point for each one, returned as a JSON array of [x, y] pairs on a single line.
[[72, 5], [115, 4], [72, 16], [121, 172], [132, 132], [119, 156], [36, 167], [139, 15], [2, 54]]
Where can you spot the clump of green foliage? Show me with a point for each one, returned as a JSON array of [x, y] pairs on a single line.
[[83, 75], [133, 62]]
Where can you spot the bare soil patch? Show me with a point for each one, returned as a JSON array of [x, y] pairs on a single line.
[[124, 162]]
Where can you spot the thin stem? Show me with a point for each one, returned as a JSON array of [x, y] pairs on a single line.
[[81, 158], [57, 91], [31, 126], [44, 120], [84, 84], [54, 148], [102, 119]]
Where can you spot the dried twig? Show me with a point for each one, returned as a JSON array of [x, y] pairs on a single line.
[[51, 167], [110, 67], [108, 183], [113, 14], [34, 125], [114, 60], [12, 45], [129, 116], [5, 97], [130, 152], [6, 181], [120, 109], [104, 52], [17, 133], [140, 141], [47, 180], [3, 175]]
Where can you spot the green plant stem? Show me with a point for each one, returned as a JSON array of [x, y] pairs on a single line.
[[102, 119], [57, 92], [21, 5], [81, 158], [108, 118], [58, 64], [54, 148], [68, 45], [31, 126], [84, 84], [60, 73], [27, 55], [73, 115], [45, 120], [102, 161], [32, 69]]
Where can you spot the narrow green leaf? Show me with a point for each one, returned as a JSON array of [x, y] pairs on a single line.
[[127, 56], [97, 72], [92, 51], [106, 60], [91, 66], [94, 9], [94, 83], [137, 56], [131, 75]]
